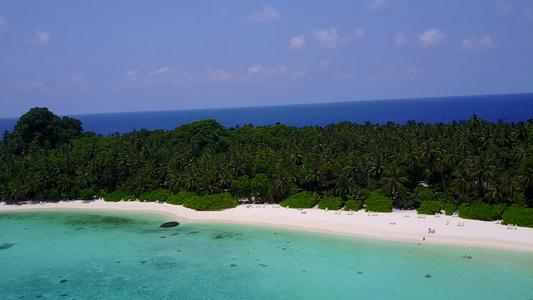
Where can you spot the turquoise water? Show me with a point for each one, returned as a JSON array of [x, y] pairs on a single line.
[[111, 255]]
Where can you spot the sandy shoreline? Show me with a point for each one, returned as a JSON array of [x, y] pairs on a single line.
[[403, 226]]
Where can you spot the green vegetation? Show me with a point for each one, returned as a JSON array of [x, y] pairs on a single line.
[[353, 205], [463, 164], [517, 215], [86, 194], [115, 196], [378, 202], [481, 211], [450, 209], [180, 198], [331, 203], [300, 200], [158, 195], [429, 207], [211, 202]]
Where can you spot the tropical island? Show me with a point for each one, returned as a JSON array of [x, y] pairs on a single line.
[[472, 169]]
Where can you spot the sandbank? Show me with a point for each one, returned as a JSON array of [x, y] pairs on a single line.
[[402, 226]]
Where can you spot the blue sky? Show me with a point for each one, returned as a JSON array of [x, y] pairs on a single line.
[[77, 57]]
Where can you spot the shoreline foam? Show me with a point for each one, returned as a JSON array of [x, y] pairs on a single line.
[[402, 226]]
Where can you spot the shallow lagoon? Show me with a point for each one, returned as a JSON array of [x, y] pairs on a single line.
[[113, 255]]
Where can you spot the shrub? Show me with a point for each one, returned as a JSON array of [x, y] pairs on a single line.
[[517, 215], [430, 207], [241, 188], [157, 195], [378, 202], [180, 198], [331, 203], [353, 205], [423, 193], [481, 211], [130, 198], [86, 194], [211, 202], [450, 209], [446, 198], [300, 200], [115, 196]]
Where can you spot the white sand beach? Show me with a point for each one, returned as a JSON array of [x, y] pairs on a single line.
[[403, 226]]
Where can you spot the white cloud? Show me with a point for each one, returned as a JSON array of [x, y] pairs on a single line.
[[168, 76], [263, 15], [297, 43], [260, 70], [41, 38], [28, 85], [382, 75], [328, 38], [254, 69], [378, 4], [400, 40], [504, 8], [431, 38], [295, 75], [324, 64], [221, 75], [359, 33], [131, 75], [78, 77], [473, 44], [348, 76], [158, 71]]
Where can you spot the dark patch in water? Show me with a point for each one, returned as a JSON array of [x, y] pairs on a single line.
[[64, 295], [428, 276], [174, 233], [227, 235], [304, 271], [163, 263], [39, 296], [283, 248], [6, 246], [359, 272], [163, 237], [79, 228], [63, 281], [232, 265], [118, 262], [263, 265], [143, 262]]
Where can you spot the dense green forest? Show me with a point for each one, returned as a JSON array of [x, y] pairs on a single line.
[[469, 164]]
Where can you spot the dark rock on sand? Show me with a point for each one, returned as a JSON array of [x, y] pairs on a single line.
[[169, 224], [6, 246]]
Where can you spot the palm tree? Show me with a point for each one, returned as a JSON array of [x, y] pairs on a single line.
[[525, 176], [16, 190], [462, 185], [393, 181], [482, 170]]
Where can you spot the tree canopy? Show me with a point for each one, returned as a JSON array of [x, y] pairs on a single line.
[[469, 161]]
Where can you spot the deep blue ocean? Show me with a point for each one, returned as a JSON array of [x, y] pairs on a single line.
[[492, 108]]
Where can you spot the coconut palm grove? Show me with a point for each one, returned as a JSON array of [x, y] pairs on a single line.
[[479, 169]]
